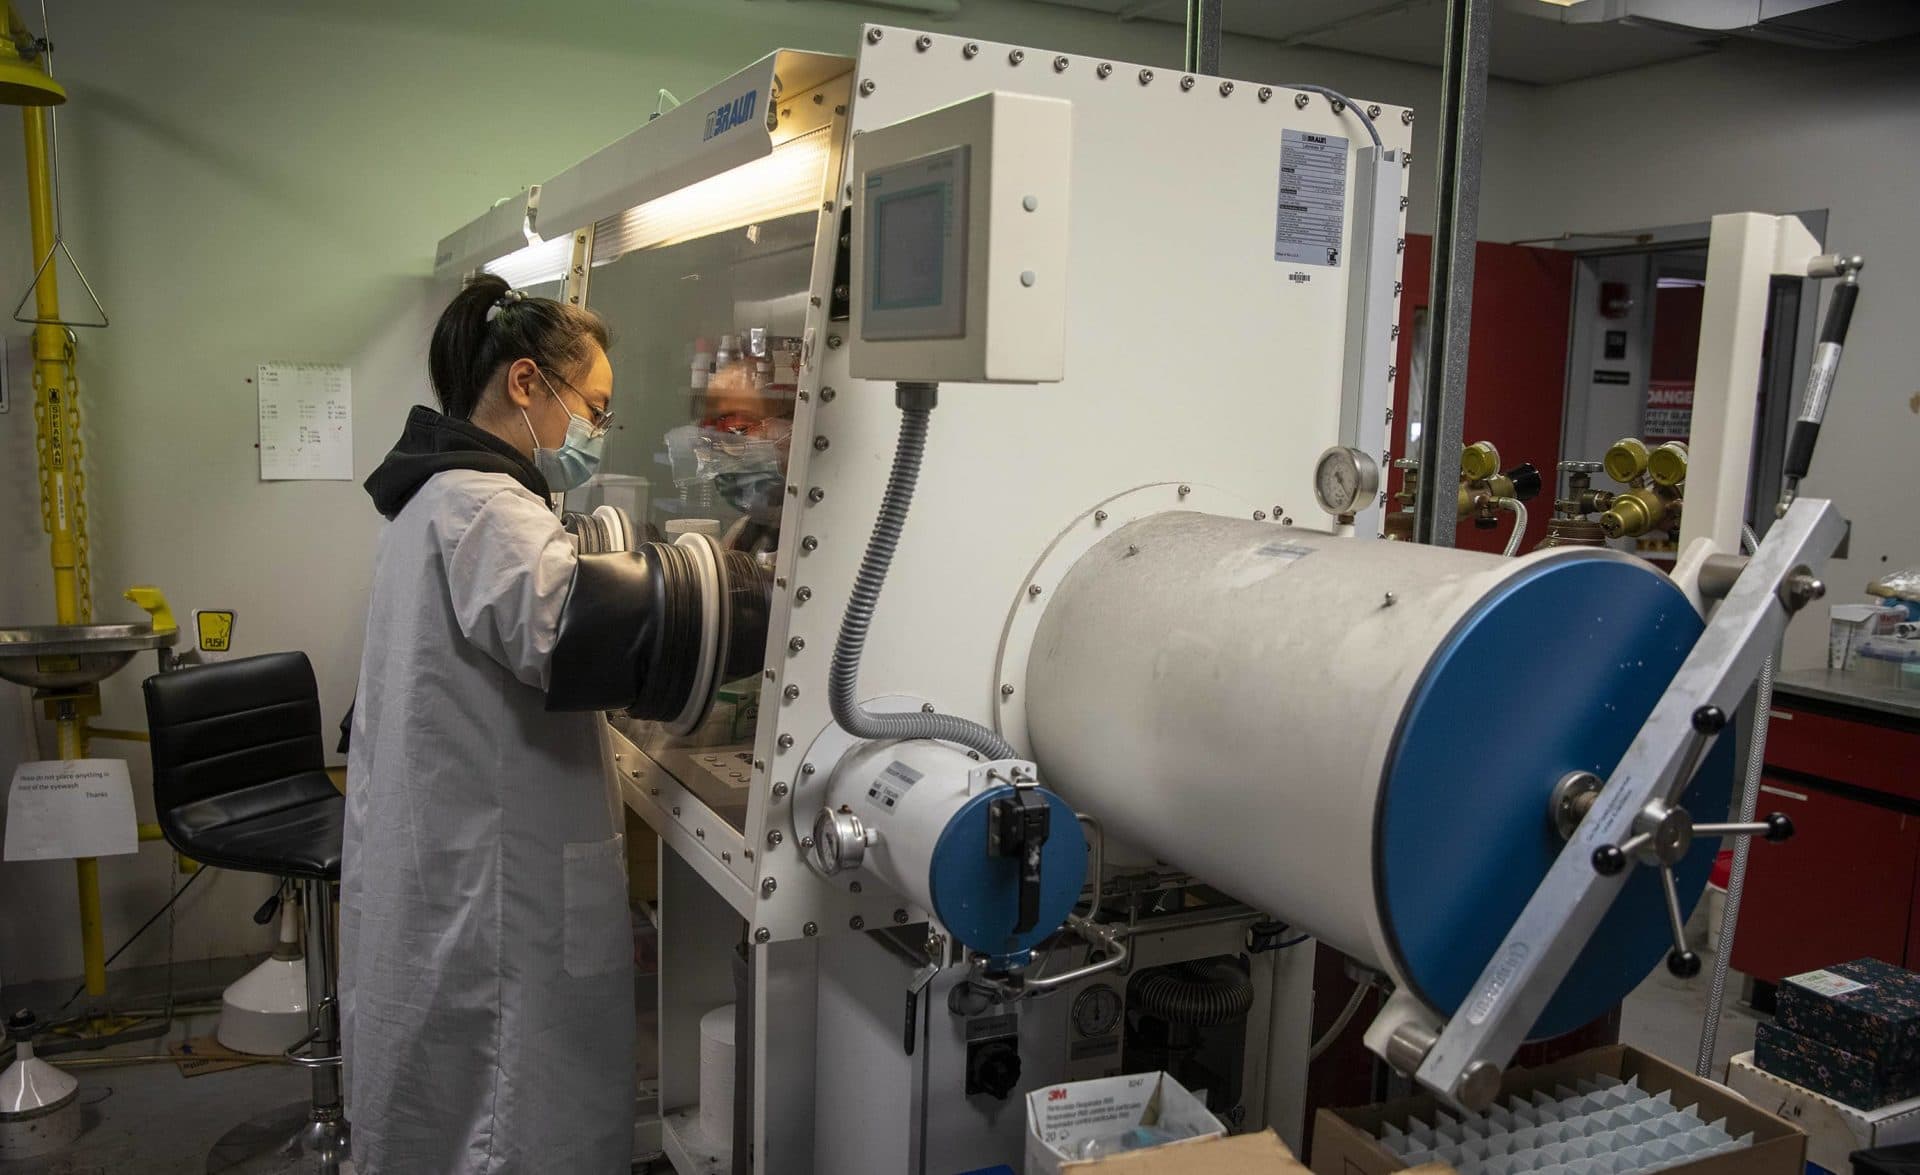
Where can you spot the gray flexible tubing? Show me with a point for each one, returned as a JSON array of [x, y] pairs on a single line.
[[843, 679], [1519, 524], [1337, 96], [1737, 877], [1340, 1023]]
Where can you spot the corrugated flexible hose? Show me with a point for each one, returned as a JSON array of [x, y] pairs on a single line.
[[1737, 878], [916, 408], [1200, 995]]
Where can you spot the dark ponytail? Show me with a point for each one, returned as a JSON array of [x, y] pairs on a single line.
[[489, 324]]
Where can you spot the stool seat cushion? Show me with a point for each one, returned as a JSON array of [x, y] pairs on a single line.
[[239, 777], [290, 827]]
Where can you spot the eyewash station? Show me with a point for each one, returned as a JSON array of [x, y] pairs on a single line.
[[1093, 684]]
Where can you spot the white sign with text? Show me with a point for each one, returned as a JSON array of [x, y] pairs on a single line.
[[70, 808]]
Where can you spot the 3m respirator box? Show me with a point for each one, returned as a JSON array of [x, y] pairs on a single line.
[[1073, 1125]]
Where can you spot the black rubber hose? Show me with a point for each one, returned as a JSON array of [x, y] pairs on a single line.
[[1199, 994]]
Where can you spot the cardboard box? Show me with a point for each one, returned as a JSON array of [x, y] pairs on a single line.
[[1060, 1118], [1869, 1008], [1834, 1129], [1241, 1154], [1345, 1141], [1837, 1073]]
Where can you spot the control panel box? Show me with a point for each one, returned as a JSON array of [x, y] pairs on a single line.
[[960, 221]]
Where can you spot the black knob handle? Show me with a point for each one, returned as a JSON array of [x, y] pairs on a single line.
[[267, 909], [1683, 964], [993, 1068], [1779, 827], [1526, 481], [1709, 720], [1608, 860]]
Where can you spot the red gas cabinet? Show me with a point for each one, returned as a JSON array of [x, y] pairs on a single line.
[[1840, 889], [1516, 366], [1848, 883]]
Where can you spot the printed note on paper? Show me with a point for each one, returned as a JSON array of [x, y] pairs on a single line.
[[306, 422], [70, 808]]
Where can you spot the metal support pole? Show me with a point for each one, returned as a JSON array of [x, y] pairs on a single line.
[[1456, 220], [322, 1011], [1203, 36]]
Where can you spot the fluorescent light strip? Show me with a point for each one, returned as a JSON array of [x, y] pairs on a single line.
[[535, 264], [788, 180]]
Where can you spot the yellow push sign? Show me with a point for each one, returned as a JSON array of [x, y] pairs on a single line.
[[214, 629]]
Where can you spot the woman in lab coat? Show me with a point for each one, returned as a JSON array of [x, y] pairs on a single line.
[[486, 958]]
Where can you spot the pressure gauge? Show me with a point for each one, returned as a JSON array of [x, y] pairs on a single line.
[[1096, 1011], [1479, 461], [1345, 480], [1667, 465], [1626, 459], [840, 841]]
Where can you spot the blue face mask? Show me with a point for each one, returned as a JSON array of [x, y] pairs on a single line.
[[577, 459]]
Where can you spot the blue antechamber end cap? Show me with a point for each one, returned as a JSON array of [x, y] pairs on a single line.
[[1552, 673], [977, 897]]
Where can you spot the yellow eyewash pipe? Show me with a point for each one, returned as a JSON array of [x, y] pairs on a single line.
[[71, 733], [52, 370], [58, 417], [125, 736]]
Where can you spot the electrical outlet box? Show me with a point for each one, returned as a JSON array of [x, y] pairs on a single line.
[[960, 223]]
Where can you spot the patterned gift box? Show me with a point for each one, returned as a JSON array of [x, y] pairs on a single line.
[[1837, 1073], [1868, 1008]]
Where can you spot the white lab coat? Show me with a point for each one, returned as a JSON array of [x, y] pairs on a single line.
[[486, 979]]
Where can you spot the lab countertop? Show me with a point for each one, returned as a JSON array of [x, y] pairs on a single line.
[[1840, 687]]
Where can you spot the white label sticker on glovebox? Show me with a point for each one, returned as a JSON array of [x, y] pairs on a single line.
[[1826, 983], [892, 784], [1311, 211]]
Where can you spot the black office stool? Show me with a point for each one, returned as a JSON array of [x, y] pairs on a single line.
[[240, 782]]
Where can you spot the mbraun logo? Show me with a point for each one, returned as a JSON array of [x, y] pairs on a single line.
[[731, 115]]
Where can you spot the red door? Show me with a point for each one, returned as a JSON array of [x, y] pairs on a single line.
[[1516, 365], [1840, 889]]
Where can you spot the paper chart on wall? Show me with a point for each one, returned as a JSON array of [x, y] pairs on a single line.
[[306, 422]]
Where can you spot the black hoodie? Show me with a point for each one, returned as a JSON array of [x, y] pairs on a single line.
[[432, 443]]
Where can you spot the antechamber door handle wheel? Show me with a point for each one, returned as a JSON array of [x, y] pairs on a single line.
[[1635, 818]]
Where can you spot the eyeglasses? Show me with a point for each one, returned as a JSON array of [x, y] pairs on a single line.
[[600, 418]]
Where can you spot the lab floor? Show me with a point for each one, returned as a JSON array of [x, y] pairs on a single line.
[[1663, 1017], [145, 1117]]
